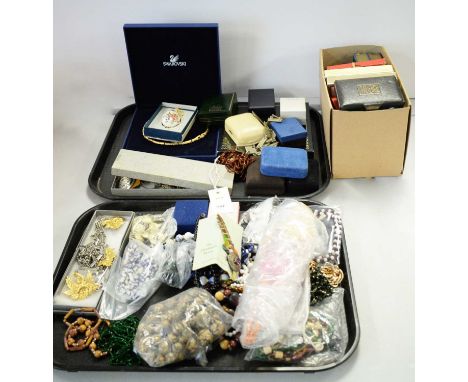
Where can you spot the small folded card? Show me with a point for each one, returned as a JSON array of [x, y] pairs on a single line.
[[209, 246], [369, 93], [284, 162], [170, 122], [359, 72]]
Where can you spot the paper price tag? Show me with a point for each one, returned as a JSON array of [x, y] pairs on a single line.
[[220, 200]]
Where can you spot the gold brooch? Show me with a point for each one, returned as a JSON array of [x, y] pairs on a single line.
[[79, 286], [108, 259], [333, 274], [113, 223]]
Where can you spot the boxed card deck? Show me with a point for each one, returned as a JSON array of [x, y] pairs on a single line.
[[363, 143], [262, 102], [175, 63]]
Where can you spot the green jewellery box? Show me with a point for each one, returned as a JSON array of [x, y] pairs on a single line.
[[218, 108]]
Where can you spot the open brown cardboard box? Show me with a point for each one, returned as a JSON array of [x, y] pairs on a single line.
[[363, 143]]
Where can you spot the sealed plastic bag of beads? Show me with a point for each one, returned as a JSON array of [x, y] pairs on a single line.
[[181, 327], [133, 280], [331, 218], [175, 262], [326, 329], [274, 286], [324, 340]]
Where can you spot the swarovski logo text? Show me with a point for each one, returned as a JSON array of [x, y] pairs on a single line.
[[174, 61]]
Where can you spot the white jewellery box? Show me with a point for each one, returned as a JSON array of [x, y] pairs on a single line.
[[170, 122], [293, 108], [244, 129]]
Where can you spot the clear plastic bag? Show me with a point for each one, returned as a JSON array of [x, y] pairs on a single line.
[[326, 329], [255, 220], [133, 280], [324, 340], [331, 218], [275, 282], [181, 327], [175, 264]]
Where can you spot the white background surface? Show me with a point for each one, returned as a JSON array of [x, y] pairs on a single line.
[[269, 45]]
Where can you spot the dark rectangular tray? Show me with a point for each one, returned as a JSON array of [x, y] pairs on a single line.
[[218, 361], [100, 179]]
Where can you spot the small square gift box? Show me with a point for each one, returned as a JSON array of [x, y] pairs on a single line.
[[289, 132], [262, 102], [293, 108], [244, 129], [286, 162]]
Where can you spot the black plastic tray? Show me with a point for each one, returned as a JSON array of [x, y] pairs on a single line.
[[100, 179], [219, 361]]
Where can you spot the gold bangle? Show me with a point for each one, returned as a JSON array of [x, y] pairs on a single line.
[[164, 143]]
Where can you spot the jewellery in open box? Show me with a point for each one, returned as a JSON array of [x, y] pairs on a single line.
[[113, 223], [166, 143], [80, 286], [172, 118], [90, 254]]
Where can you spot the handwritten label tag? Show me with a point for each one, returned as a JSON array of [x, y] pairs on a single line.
[[220, 200]]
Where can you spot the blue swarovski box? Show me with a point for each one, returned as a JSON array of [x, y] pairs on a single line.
[[284, 162], [174, 63], [290, 129]]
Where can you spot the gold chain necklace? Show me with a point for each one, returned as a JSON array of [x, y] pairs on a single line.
[[164, 143]]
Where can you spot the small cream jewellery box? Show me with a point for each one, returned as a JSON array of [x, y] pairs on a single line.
[[244, 129]]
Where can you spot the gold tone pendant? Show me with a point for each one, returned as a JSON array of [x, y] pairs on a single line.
[[113, 223], [80, 286], [108, 259]]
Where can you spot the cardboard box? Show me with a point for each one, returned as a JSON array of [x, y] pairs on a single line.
[[363, 143]]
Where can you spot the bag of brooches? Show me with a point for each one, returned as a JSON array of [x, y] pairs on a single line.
[[324, 338], [180, 328], [133, 280]]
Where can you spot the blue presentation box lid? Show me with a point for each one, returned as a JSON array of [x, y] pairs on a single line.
[[284, 162], [290, 129]]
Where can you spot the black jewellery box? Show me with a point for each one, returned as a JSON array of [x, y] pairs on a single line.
[[100, 181]]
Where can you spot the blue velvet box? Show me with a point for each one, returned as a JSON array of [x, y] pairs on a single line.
[[175, 63], [284, 162], [290, 129], [187, 212]]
